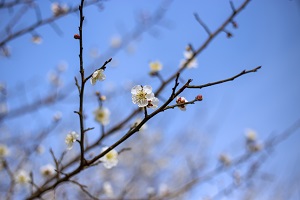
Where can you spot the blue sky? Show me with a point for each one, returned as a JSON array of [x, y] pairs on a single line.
[[267, 35]]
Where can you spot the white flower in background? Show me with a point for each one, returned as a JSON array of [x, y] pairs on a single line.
[[97, 75], [153, 103], [225, 159], [155, 66], [110, 159], [181, 100], [150, 191], [47, 170], [59, 9], [57, 116], [22, 177], [3, 151], [40, 149], [55, 79], [102, 115], [163, 189], [251, 135], [70, 139], [108, 190], [116, 41], [36, 39], [188, 55], [141, 95]]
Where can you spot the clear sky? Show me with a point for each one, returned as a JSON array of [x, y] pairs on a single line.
[[268, 34]]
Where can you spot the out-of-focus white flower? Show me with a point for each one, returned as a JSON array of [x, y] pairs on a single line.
[[225, 159], [55, 79], [4, 151], [57, 116], [255, 146], [36, 39], [102, 115], [116, 41], [155, 66], [150, 191], [110, 159], [22, 177], [59, 9], [251, 135], [47, 170], [97, 75], [40, 149], [188, 55], [108, 190], [181, 100], [62, 66], [141, 95], [153, 103], [163, 189], [70, 139]]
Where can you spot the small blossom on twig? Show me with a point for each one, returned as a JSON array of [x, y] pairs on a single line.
[[76, 36], [22, 177], [97, 75], [47, 170], [70, 139], [4, 151], [188, 53], [251, 135], [181, 100], [110, 159], [102, 115], [225, 159], [153, 103], [155, 67], [141, 95], [36, 39], [59, 9], [199, 97]]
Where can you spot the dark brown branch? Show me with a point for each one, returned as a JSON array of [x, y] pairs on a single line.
[[225, 80]]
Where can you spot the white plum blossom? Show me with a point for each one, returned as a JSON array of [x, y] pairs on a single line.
[[155, 66], [70, 139], [47, 170], [59, 9], [102, 115], [141, 95], [97, 75], [22, 177], [3, 151], [188, 55], [110, 159], [181, 100], [153, 103]]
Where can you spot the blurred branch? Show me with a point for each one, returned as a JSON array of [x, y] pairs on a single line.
[[42, 22]]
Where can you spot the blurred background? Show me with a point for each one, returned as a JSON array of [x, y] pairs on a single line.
[[187, 144]]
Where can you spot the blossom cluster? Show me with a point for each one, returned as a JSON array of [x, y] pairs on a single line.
[[143, 96], [59, 9]]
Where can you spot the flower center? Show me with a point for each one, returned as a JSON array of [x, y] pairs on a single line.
[[141, 95]]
